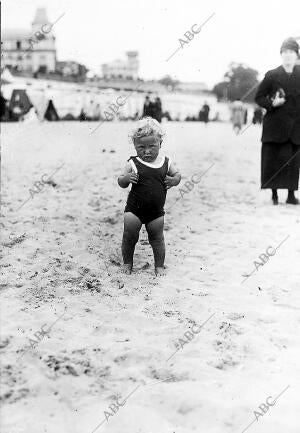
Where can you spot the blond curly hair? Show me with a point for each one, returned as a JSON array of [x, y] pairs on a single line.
[[145, 127]]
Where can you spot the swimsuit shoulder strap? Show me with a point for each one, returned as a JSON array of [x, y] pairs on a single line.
[[168, 161], [131, 157], [133, 166]]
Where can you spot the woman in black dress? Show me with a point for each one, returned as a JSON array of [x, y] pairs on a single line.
[[279, 94]]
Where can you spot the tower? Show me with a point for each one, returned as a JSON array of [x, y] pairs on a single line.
[[133, 63], [39, 20], [43, 52]]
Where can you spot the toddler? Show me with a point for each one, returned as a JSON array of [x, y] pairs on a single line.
[[150, 174]]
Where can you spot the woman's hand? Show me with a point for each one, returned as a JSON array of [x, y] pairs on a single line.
[[278, 100]]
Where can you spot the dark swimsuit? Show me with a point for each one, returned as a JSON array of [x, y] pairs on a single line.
[[146, 199]]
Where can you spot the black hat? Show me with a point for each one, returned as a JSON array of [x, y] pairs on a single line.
[[290, 44]]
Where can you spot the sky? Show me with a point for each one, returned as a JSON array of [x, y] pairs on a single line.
[[93, 32]]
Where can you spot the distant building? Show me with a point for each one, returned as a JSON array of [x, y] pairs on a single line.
[[125, 69], [71, 68], [17, 54]]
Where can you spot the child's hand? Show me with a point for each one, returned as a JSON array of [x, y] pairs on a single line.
[[132, 177], [169, 181]]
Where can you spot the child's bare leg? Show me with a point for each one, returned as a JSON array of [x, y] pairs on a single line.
[[132, 226], [156, 239]]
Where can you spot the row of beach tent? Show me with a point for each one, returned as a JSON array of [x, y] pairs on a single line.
[[58, 100], [54, 100]]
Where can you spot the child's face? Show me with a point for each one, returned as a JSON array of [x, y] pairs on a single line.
[[147, 148]]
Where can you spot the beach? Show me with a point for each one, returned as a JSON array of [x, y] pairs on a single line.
[[103, 338]]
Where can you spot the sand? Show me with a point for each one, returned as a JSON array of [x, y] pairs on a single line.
[[103, 337]]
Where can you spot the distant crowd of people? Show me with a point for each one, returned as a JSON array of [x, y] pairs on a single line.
[[19, 105], [203, 115], [153, 108]]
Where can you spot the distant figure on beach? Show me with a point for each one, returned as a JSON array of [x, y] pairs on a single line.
[[148, 107], [97, 112], [257, 116], [204, 113], [153, 108], [167, 116], [151, 175], [237, 115], [245, 116], [157, 109], [3, 109], [279, 94]]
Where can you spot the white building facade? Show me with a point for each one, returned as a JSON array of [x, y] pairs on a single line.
[[30, 50], [124, 69]]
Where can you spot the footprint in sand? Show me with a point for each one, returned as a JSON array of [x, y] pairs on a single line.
[[79, 365], [171, 313], [230, 329], [145, 266], [95, 204], [235, 316], [165, 375], [69, 217], [16, 240], [4, 342], [292, 307], [110, 220], [224, 363], [144, 242], [12, 387], [227, 349]]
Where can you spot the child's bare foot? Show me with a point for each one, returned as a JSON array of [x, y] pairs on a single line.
[[127, 268], [160, 272]]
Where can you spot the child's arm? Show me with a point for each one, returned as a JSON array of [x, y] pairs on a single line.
[[127, 177], [173, 177]]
